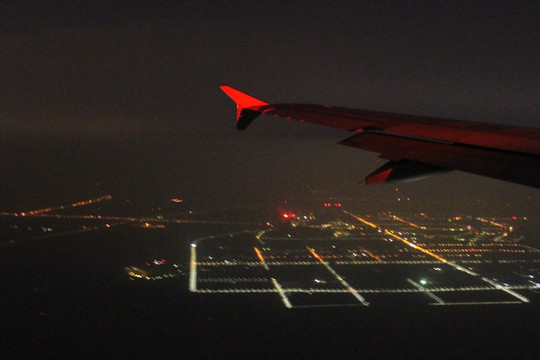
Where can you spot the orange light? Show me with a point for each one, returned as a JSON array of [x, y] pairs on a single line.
[[259, 255], [363, 221], [315, 254], [415, 246]]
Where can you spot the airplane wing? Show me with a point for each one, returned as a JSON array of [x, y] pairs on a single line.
[[416, 146]]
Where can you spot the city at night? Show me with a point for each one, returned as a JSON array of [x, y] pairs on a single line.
[[137, 221]]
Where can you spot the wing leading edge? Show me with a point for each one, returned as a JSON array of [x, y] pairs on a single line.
[[416, 146]]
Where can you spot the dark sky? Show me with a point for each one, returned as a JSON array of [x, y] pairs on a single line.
[[126, 94]]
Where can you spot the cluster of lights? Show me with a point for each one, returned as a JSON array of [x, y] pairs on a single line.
[[136, 273], [330, 204], [158, 277]]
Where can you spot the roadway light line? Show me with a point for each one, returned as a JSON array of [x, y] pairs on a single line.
[[278, 287], [342, 291], [324, 305], [193, 268], [77, 231], [491, 222], [233, 280], [259, 254], [413, 245], [426, 291], [371, 254], [407, 222], [125, 218], [235, 291], [339, 278], [62, 207], [478, 303], [361, 220]]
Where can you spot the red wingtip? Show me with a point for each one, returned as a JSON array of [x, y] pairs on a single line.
[[243, 100]]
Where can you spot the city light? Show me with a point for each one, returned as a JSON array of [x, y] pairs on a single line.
[[346, 241], [415, 244]]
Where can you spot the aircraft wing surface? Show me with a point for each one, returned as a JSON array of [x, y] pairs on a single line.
[[416, 146]]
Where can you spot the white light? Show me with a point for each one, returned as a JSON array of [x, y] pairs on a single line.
[[193, 245]]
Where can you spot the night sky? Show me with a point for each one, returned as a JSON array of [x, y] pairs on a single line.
[[123, 97]]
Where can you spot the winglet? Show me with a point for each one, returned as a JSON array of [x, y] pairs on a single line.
[[247, 107]]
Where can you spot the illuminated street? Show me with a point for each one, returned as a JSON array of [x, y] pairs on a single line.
[[372, 262], [333, 256], [333, 261]]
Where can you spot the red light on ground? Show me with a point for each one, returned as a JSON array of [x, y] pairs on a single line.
[[177, 200], [514, 217], [337, 205]]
